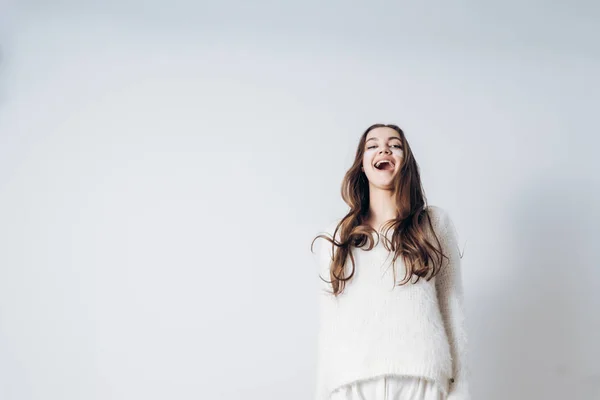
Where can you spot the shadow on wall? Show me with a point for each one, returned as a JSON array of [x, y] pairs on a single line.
[[541, 323]]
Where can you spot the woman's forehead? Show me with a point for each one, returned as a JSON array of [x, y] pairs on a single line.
[[382, 133]]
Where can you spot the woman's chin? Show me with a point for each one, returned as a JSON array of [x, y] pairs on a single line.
[[383, 183]]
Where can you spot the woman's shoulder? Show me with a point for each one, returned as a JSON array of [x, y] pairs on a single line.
[[435, 212], [439, 216], [329, 227], [323, 250]]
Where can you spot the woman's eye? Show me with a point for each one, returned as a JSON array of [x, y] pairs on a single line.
[[394, 145]]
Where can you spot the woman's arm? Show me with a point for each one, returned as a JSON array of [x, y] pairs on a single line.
[[449, 290]]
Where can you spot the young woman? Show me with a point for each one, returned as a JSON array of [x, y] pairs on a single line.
[[380, 338]]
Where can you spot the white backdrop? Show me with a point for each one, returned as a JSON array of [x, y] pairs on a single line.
[[165, 166]]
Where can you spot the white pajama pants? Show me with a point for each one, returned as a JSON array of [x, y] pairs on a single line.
[[390, 387]]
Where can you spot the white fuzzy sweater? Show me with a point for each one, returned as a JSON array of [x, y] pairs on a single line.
[[373, 329]]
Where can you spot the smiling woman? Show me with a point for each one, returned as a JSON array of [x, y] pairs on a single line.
[[407, 343]]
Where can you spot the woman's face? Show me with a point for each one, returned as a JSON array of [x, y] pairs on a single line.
[[382, 144]]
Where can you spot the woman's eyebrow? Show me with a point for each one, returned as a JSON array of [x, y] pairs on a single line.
[[390, 138]]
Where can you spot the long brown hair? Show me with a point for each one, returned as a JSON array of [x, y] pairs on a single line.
[[410, 238]]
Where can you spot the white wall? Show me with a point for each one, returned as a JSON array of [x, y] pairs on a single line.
[[149, 154]]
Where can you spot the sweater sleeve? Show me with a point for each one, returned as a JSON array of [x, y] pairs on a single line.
[[449, 290], [321, 392], [322, 259]]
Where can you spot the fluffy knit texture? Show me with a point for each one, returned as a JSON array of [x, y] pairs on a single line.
[[374, 329]]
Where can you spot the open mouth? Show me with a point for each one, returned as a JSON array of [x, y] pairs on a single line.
[[384, 165]]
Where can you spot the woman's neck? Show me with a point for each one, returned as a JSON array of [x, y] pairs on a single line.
[[382, 208]]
